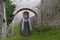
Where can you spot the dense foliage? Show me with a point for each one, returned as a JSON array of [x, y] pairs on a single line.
[[9, 11]]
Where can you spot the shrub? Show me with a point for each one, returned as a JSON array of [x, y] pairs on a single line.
[[9, 11]]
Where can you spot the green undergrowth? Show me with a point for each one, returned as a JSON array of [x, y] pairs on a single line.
[[43, 33]]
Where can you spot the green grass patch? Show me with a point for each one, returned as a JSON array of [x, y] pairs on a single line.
[[45, 33]]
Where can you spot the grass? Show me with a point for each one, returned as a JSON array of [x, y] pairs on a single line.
[[44, 33]]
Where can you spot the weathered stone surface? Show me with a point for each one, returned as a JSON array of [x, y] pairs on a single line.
[[10, 30], [50, 10], [2, 19]]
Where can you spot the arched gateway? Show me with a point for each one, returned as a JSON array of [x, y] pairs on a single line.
[[26, 9], [26, 27]]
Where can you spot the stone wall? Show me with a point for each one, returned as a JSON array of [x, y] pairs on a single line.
[[2, 19], [50, 11]]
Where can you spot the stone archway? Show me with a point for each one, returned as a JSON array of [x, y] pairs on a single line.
[[28, 10], [11, 26], [22, 9]]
